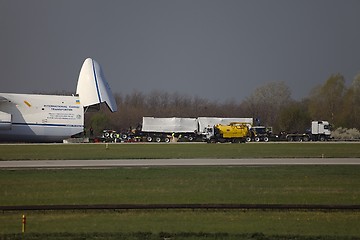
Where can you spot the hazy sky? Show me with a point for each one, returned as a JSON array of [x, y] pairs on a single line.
[[219, 50]]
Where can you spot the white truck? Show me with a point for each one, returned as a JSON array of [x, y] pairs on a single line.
[[320, 131]]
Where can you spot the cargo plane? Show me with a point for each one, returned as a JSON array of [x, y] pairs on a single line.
[[53, 118]]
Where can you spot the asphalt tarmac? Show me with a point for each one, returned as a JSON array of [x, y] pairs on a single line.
[[175, 162]]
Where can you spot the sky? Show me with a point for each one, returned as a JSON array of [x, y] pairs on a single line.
[[219, 50]]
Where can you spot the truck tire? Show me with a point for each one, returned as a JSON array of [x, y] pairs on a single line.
[[322, 138], [257, 139], [191, 138], [158, 139], [289, 138], [167, 140], [149, 139], [248, 139], [306, 138], [266, 139]]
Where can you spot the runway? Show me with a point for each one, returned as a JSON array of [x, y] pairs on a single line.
[[175, 162]]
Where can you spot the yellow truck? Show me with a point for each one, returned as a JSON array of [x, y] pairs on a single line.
[[235, 132]]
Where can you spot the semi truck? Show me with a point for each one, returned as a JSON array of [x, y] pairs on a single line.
[[320, 131], [235, 132]]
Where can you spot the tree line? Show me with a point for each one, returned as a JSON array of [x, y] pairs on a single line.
[[270, 104]]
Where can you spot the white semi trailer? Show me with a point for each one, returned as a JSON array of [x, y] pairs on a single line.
[[164, 129]]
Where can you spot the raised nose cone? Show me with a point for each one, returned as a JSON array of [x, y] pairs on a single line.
[[92, 86]]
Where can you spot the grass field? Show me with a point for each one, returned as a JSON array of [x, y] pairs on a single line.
[[146, 151], [276, 185], [300, 184], [157, 221], [287, 185]]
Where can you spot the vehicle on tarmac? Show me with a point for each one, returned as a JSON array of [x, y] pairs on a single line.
[[320, 131], [211, 129], [235, 132], [261, 134], [180, 129]]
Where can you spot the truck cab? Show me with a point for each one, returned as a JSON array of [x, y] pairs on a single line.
[[320, 130]]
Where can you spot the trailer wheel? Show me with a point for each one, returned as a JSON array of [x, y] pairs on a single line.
[[257, 139], [289, 139], [306, 139], [167, 140], [266, 139], [149, 139], [191, 138], [248, 139], [158, 139]]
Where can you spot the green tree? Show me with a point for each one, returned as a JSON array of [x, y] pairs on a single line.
[[294, 117], [99, 121], [326, 101], [350, 115], [355, 88]]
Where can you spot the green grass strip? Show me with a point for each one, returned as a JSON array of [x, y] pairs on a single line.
[[183, 185], [157, 222], [158, 151]]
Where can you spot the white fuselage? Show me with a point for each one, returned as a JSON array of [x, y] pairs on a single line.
[[53, 118], [39, 118]]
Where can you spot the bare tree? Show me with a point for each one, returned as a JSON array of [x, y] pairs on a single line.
[[266, 102]]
